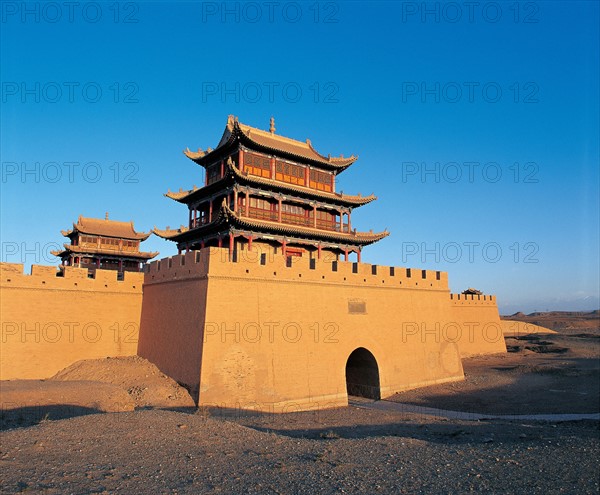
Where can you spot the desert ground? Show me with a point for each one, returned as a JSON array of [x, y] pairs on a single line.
[[120, 426]]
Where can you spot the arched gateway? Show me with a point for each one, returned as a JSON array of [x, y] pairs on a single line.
[[362, 375]]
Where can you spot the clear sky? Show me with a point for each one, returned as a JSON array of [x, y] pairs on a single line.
[[476, 124]]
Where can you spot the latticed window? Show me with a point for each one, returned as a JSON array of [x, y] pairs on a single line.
[[327, 220], [213, 172], [292, 209], [289, 172], [87, 239], [321, 180], [257, 164], [110, 242], [295, 214], [130, 245], [263, 209]]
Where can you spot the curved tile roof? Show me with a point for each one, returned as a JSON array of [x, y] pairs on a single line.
[[276, 143], [169, 233], [106, 227]]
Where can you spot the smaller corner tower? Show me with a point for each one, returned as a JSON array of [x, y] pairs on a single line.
[[104, 244]]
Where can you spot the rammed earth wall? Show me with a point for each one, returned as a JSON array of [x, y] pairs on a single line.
[[257, 331], [49, 322], [265, 333]]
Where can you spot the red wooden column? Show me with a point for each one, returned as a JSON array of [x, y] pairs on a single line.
[[272, 167], [220, 242], [306, 176], [319, 251], [222, 168], [346, 254], [247, 205], [358, 256], [241, 160], [315, 216], [250, 243], [349, 222], [283, 247], [279, 211], [231, 241], [210, 211], [190, 219], [235, 201]]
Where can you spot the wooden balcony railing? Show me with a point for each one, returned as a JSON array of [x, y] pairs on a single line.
[[291, 219]]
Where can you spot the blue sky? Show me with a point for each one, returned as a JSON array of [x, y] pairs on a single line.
[[476, 125]]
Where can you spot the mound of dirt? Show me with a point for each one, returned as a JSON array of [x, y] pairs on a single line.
[[142, 380], [27, 402]]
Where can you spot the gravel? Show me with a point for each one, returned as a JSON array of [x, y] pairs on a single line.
[[347, 450]]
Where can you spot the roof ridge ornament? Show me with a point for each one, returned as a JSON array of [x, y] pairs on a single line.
[[272, 125]]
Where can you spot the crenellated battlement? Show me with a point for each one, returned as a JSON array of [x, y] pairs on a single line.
[[216, 262], [54, 316], [472, 300], [68, 278]]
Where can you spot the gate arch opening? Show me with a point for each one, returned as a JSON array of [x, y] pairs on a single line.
[[362, 374]]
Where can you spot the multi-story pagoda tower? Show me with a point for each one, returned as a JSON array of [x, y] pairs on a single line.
[[105, 244], [264, 188]]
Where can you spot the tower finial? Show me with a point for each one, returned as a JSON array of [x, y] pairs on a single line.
[[106, 216], [272, 127]]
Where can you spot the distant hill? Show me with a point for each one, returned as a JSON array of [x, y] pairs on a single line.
[[572, 322]]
